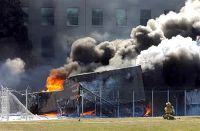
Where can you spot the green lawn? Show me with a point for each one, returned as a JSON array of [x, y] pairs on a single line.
[[122, 124]]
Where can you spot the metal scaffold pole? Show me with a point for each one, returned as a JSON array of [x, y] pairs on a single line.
[[4, 103], [152, 102], [1, 101]]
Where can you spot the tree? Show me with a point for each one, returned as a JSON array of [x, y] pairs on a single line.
[[13, 32]]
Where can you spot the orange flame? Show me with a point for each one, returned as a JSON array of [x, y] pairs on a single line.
[[55, 81], [50, 114], [88, 113], [148, 110]]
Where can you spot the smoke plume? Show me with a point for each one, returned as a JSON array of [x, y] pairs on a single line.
[[15, 75], [174, 62], [11, 72], [165, 48]]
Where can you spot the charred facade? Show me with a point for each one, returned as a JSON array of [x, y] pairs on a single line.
[[103, 93]]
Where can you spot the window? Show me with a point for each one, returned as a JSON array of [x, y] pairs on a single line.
[[25, 15], [47, 46], [72, 16], [121, 17], [145, 15], [47, 16], [97, 17]]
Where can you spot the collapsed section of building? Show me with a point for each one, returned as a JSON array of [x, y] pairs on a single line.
[[106, 94]]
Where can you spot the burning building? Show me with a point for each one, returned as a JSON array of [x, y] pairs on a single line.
[[56, 102], [111, 93], [165, 48], [108, 93]]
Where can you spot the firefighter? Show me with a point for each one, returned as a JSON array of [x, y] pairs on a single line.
[[169, 112]]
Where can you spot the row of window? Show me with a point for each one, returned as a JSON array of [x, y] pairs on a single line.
[[72, 15], [47, 14]]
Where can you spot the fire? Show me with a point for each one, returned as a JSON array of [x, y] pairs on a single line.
[[55, 81], [148, 110], [88, 113], [50, 114]]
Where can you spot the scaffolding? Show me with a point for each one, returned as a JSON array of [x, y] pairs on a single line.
[[11, 108], [4, 103]]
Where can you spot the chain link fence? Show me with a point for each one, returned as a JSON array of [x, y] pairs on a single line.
[[185, 102]]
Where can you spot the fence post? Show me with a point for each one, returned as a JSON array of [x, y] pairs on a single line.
[[78, 108], [168, 95], [176, 106], [152, 102], [133, 103], [185, 102], [100, 101], [82, 100], [118, 103], [26, 103], [95, 106]]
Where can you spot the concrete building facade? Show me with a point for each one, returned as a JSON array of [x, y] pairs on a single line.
[[54, 24]]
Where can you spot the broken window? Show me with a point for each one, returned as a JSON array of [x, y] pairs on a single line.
[[47, 16], [121, 17], [72, 16], [97, 17]]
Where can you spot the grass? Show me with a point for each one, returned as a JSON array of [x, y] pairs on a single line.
[[121, 124]]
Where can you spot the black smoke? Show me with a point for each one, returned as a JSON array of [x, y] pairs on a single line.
[[165, 48]]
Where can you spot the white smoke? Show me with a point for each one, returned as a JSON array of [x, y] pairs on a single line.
[[100, 36], [176, 48], [11, 72]]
